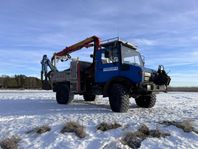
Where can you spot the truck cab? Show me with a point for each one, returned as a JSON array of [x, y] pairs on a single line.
[[119, 60]]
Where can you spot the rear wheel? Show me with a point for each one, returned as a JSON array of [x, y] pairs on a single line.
[[146, 101], [46, 85], [63, 95], [119, 98], [89, 97]]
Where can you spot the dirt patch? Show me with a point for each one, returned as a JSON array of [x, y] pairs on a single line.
[[134, 139], [108, 126], [186, 126], [74, 127], [40, 130], [10, 143]]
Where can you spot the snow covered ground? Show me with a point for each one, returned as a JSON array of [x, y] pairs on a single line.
[[22, 110]]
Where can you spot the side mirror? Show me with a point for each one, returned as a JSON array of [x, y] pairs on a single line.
[[91, 55]]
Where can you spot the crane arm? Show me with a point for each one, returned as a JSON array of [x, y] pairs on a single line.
[[64, 53], [44, 64], [84, 43]]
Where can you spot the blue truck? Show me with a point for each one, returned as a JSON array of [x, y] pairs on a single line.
[[117, 71]]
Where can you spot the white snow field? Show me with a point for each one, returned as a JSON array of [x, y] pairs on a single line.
[[23, 110]]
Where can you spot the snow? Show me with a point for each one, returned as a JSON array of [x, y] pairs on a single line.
[[22, 110]]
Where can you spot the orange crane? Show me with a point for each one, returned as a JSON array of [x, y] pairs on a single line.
[[64, 54], [84, 43], [79, 45]]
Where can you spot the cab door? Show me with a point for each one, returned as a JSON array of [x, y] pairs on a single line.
[[107, 65]]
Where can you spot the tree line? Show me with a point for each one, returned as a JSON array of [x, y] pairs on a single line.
[[183, 89], [24, 82], [19, 81]]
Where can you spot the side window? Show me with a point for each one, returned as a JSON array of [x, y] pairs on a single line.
[[130, 56], [131, 60], [106, 58], [109, 56]]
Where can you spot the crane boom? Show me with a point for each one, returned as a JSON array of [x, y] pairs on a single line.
[[79, 45], [65, 53]]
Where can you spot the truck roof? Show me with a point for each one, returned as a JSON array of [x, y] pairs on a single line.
[[117, 40]]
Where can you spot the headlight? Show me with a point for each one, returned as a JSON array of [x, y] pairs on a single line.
[[147, 74], [148, 87], [146, 78]]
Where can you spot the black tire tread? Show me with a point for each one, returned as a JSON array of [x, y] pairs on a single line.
[[146, 101], [63, 95], [119, 98]]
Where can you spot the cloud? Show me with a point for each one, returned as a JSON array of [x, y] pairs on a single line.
[[195, 53], [145, 42], [184, 79], [19, 61]]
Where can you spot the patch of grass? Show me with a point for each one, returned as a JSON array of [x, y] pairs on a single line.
[[186, 126], [143, 129], [134, 139], [10, 143], [74, 127], [108, 126], [40, 130], [158, 134]]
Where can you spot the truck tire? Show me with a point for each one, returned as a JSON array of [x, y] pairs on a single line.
[[46, 85], [89, 97], [147, 101], [62, 95], [118, 98]]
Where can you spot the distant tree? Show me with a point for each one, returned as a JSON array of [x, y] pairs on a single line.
[[5, 82], [20, 81]]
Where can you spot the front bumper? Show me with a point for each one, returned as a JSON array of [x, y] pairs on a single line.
[[154, 88]]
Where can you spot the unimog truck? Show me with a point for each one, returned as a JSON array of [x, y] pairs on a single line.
[[117, 71]]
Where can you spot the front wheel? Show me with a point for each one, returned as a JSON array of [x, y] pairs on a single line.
[[146, 101], [119, 98], [63, 95]]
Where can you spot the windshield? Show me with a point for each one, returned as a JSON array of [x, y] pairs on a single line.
[[130, 56]]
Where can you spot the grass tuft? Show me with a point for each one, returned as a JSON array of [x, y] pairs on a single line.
[[10, 143], [40, 130], [144, 129], [186, 126], [134, 139], [74, 127], [158, 134], [106, 126]]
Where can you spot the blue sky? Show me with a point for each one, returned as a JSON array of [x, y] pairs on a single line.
[[166, 32]]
